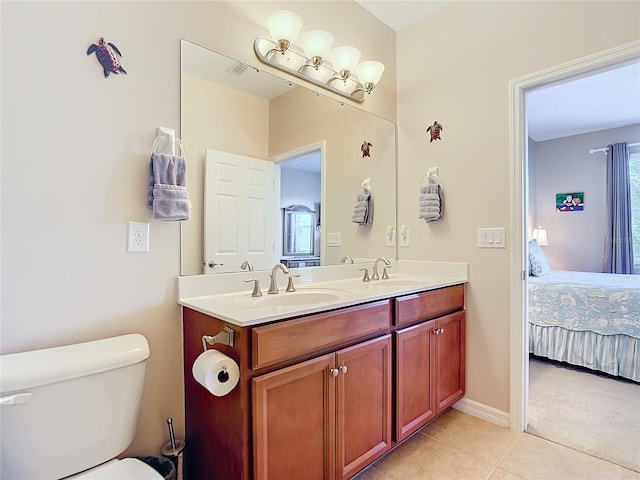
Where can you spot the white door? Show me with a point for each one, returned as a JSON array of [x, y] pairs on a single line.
[[239, 212]]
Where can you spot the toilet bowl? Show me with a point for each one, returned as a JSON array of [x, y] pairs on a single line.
[[71, 410]]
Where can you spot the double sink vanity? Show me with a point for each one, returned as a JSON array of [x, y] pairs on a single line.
[[333, 375]]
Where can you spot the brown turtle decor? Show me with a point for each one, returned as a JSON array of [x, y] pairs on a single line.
[[108, 55]]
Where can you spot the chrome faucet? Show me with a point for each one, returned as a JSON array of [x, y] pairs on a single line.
[[376, 275], [273, 287], [346, 259], [247, 265]]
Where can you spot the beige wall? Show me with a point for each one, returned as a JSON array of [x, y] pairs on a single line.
[[75, 150], [219, 118], [455, 67], [564, 165]]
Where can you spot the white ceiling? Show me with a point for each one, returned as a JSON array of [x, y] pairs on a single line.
[[399, 14], [603, 100]]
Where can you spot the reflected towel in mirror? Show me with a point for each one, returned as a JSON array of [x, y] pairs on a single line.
[[362, 212]]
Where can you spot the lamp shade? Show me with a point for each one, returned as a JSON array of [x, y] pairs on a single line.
[[284, 25], [317, 43], [540, 236], [345, 58], [370, 71]]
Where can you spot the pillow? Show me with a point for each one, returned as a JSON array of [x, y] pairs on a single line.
[[538, 264]]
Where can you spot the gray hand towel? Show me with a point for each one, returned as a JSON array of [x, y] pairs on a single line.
[[362, 212], [167, 194], [430, 203]]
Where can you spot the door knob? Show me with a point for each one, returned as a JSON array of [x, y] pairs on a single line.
[[334, 372], [213, 264], [343, 369]]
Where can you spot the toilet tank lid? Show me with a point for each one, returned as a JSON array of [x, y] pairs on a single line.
[[19, 371]]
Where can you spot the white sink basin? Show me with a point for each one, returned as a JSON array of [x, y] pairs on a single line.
[[300, 297]]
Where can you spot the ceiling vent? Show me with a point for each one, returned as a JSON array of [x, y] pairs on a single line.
[[237, 68]]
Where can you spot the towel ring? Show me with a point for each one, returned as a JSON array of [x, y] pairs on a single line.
[[176, 140], [431, 180]]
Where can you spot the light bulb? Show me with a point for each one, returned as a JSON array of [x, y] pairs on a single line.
[[345, 59], [369, 72], [317, 44], [284, 25]]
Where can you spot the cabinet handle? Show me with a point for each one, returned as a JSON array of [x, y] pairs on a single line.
[[343, 369], [439, 331], [334, 372]]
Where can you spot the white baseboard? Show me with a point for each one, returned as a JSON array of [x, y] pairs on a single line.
[[483, 411]]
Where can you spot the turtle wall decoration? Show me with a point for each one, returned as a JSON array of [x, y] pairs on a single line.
[[108, 55], [366, 149], [434, 130]]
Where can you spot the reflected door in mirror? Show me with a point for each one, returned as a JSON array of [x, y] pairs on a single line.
[[239, 207]]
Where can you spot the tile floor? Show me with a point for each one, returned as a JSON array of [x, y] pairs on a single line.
[[458, 446]]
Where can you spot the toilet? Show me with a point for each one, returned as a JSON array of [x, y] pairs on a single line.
[[69, 411]]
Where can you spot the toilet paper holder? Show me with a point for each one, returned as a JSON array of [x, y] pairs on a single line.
[[225, 337]]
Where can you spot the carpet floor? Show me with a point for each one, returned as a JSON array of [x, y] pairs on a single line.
[[590, 413]]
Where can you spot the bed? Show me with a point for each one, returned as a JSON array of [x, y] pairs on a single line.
[[587, 319]]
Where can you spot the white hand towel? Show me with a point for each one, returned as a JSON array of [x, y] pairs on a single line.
[[362, 212], [430, 203]]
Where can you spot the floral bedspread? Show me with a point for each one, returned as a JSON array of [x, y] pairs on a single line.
[[604, 303]]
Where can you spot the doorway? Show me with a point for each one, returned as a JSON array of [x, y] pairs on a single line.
[[299, 186], [519, 356]]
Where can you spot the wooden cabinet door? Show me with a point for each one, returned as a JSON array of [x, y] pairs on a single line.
[[294, 422], [363, 405], [415, 369], [449, 360]]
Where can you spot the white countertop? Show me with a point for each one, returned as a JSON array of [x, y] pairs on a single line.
[[216, 296]]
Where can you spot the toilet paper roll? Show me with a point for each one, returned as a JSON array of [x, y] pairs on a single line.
[[216, 372]]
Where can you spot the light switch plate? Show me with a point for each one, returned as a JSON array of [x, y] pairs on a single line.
[[491, 238], [334, 239], [404, 236]]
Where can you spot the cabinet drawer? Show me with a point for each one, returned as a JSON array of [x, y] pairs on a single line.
[[294, 338], [421, 306]]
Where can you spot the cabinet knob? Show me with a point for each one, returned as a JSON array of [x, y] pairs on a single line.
[[343, 369], [334, 372], [439, 331]]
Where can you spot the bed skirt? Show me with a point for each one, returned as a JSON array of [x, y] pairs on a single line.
[[613, 354]]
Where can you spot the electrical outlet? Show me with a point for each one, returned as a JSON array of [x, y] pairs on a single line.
[[138, 239]]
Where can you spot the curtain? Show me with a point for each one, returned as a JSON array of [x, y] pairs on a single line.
[[618, 240]]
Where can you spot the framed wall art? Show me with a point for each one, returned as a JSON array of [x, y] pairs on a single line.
[[570, 202]]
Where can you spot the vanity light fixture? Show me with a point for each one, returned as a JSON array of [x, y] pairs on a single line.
[[336, 70]]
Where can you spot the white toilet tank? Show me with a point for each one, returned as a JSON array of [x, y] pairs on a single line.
[[69, 408]]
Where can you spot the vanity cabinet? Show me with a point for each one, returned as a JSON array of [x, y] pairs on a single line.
[[322, 396], [430, 356], [326, 418]]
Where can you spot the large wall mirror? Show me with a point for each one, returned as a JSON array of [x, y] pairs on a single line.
[[257, 144]]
